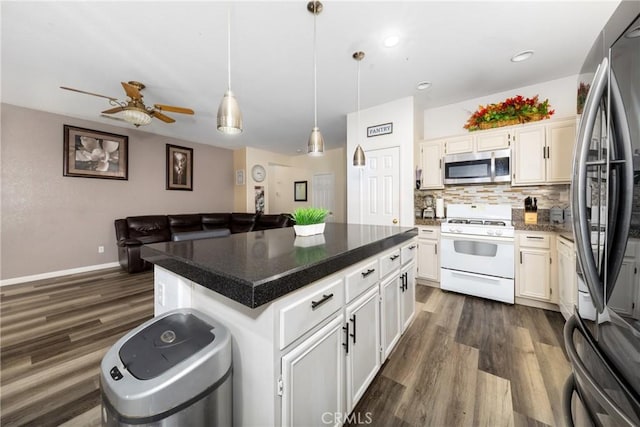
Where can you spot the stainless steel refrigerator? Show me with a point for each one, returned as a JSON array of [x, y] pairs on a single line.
[[604, 350]]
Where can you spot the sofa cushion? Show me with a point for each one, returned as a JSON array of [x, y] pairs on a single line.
[[265, 222], [211, 221], [149, 228], [202, 234], [242, 222], [184, 223]]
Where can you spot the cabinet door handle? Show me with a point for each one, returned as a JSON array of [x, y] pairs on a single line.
[[535, 237], [345, 344], [368, 272], [436, 249], [325, 298], [412, 247], [520, 257], [394, 257], [353, 335], [402, 282]]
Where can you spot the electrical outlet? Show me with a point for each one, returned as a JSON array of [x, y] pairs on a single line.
[[160, 294], [100, 249]]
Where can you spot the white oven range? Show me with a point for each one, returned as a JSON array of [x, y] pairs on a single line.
[[477, 253]]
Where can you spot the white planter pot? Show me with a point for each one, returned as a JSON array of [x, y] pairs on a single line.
[[309, 230]]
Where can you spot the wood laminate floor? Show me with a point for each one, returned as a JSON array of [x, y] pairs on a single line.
[[464, 361]]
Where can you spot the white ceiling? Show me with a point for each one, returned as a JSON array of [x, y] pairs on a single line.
[[179, 50]]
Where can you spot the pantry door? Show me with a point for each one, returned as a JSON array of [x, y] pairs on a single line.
[[381, 187]]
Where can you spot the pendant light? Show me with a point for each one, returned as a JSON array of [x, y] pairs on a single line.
[[358, 157], [315, 147], [229, 114]]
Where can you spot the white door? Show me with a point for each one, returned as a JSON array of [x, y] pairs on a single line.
[[381, 195], [313, 379], [323, 193]]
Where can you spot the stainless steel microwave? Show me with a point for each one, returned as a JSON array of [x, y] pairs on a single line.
[[477, 168]]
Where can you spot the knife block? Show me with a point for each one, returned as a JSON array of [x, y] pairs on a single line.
[[531, 217]]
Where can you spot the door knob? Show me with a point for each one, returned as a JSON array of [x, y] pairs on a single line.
[[395, 221]]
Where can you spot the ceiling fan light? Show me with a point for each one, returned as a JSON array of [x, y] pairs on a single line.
[[136, 117], [358, 157], [315, 146], [229, 115]]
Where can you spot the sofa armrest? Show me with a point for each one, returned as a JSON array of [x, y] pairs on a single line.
[[129, 242]]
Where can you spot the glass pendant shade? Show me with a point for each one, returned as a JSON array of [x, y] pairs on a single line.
[[358, 157], [229, 115], [137, 117], [316, 143]]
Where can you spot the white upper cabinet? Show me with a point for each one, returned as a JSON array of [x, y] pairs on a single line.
[[458, 145], [431, 160], [561, 137], [494, 140]]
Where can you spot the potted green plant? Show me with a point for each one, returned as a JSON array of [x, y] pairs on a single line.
[[309, 221]]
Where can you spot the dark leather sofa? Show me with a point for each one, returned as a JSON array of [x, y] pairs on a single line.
[[134, 231]]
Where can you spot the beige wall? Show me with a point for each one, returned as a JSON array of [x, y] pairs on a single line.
[[51, 223]]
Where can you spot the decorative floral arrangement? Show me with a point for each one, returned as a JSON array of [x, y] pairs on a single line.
[[308, 216], [509, 112], [583, 90]]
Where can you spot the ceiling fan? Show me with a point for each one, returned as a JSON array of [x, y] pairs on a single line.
[[133, 110]]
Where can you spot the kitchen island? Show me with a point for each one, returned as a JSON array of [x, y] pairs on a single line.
[[294, 306]]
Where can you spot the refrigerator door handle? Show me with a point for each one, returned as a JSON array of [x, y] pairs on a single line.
[[581, 227], [620, 186], [579, 369]]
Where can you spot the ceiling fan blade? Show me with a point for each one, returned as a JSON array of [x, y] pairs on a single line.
[[159, 115], [173, 109], [113, 110], [88, 93], [132, 91]]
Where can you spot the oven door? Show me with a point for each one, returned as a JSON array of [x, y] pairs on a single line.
[[491, 256]]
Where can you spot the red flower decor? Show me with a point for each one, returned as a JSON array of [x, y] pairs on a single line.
[[511, 111]]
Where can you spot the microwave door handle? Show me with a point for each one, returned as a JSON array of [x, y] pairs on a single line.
[[620, 186], [493, 166], [581, 227]]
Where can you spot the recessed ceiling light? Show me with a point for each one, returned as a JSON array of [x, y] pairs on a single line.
[[424, 85], [522, 56], [392, 40]]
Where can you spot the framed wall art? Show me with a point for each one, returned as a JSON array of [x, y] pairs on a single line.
[[94, 154], [300, 191], [260, 202], [240, 177], [179, 168]]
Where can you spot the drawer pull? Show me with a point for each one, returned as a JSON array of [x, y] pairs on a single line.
[[412, 247], [368, 272], [353, 335], [394, 257], [535, 237], [325, 298]]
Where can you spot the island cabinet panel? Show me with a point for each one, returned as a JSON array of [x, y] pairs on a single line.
[[363, 348], [307, 357], [313, 378]]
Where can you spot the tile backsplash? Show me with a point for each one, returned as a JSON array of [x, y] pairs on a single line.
[[548, 195]]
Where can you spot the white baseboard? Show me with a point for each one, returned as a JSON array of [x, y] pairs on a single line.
[[59, 273]]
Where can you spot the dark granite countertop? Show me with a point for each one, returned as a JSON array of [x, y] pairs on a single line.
[[563, 229], [257, 267]]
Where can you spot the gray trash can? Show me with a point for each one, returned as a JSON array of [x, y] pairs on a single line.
[[174, 370]]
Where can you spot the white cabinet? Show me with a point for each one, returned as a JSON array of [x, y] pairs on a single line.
[[493, 140], [390, 320], [623, 299], [567, 277], [407, 295], [428, 257], [458, 145], [308, 393], [534, 273], [543, 153], [431, 160], [362, 346]]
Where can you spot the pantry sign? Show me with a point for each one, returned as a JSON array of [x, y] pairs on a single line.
[[378, 130]]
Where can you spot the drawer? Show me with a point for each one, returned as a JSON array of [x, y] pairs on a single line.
[[389, 262], [408, 252], [362, 279], [302, 315], [429, 233], [535, 240]]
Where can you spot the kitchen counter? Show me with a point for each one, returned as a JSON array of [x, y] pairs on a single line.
[[257, 267], [564, 229], [429, 221]]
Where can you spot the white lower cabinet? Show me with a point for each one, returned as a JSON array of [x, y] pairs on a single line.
[[534, 274], [391, 326], [623, 298], [363, 345], [313, 379], [428, 257], [407, 295]]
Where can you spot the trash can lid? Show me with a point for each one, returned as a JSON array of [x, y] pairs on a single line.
[[164, 344]]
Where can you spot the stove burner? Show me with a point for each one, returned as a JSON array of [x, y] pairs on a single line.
[[494, 223]]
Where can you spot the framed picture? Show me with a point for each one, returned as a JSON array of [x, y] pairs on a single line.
[[94, 154], [259, 193], [240, 177], [179, 168], [300, 191]]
